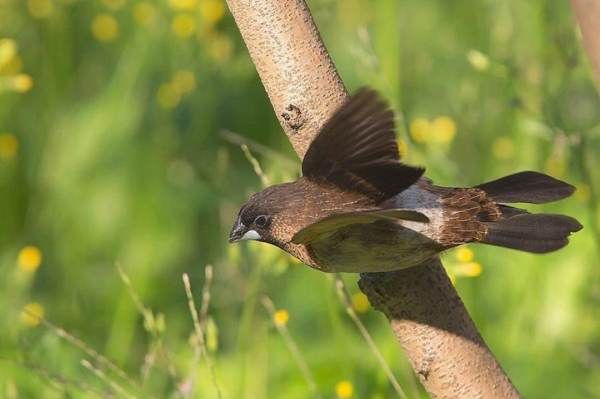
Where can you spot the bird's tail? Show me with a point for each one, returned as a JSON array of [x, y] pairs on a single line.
[[517, 228]]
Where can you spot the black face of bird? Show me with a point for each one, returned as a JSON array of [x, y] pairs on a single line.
[[250, 226]]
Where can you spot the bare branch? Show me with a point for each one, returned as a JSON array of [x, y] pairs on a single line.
[[588, 15]]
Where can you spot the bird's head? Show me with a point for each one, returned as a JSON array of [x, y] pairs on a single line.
[[263, 216]]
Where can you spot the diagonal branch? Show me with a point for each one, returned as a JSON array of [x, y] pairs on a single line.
[[425, 312], [587, 13]]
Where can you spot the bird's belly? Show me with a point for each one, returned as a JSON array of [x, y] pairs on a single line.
[[376, 247]]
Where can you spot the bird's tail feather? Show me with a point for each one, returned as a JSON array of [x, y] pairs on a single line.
[[539, 233], [518, 229], [530, 187]]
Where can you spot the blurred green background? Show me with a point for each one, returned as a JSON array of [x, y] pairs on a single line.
[[120, 124]]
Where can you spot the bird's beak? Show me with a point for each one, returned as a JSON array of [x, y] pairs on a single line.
[[240, 232], [237, 232]]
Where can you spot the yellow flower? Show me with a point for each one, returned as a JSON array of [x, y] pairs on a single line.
[[22, 83], [503, 148], [344, 389], [464, 254], [402, 148], [144, 13], [184, 81], [220, 47], [360, 302], [40, 8], [183, 4], [478, 60], [9, 145], [32, 314], [29, 259], [212, 11], [105, 28], [469, 269], [168, 96], [419, 129], [281, 317], [443, 130], [114, 4], [583, 192], [183, 25], [8, 51]]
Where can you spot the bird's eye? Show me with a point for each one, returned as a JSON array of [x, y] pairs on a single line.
[[261, 221]]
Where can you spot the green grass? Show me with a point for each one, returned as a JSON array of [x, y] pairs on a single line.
[[120, 159]]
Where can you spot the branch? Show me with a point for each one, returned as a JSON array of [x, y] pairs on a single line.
[[426, 314], [588, 16]]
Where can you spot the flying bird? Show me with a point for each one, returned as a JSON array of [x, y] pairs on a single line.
[[358, 208]]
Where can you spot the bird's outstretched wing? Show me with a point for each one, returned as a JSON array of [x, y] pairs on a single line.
[[330, 224], [357, 151]]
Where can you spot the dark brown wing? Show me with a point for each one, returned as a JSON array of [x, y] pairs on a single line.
[[333, 223], [356, 150]]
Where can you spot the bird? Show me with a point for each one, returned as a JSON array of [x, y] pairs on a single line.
[[357, 208]]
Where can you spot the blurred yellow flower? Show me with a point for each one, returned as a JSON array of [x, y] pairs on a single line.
[[183, 25], [10, 62], [478, 60], [220, 47], [144, 13], [29, 259], [40, 8], [114, 4], [105, 28], [503, 147], [168, 96], [212, 11], [22, 83], [344, 389], [360, 302], [583, 192], [8, 51], [183, 4], [443, 130], [469, 269], [419, 129], [402, 148], [464, 254], [32, 314], [184, 81], [281, 317], [9, 145]]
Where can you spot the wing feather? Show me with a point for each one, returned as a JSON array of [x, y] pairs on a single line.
[[330, 224], [357, 151]]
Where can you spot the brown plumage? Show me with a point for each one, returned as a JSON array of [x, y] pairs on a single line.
[[357, 208]]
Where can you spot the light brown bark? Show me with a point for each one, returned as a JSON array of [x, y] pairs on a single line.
[[588, 16], [425, 312]]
